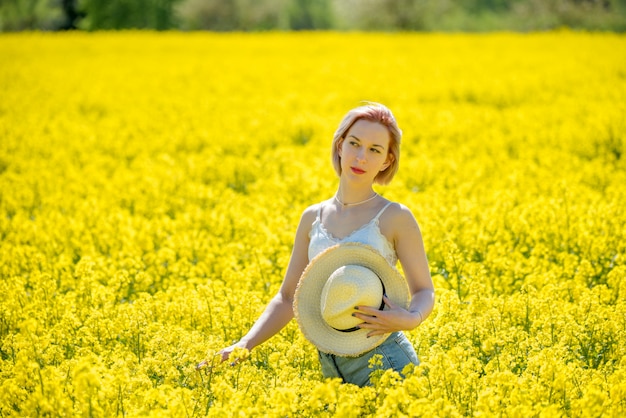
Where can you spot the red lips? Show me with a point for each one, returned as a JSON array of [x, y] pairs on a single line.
[[357, 170]]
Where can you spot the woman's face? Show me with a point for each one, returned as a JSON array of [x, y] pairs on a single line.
[[365, 150]]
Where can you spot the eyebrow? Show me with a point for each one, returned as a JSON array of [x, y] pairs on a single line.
[[359, 139]]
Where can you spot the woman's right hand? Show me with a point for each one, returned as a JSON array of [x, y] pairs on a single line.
[[225, 353]]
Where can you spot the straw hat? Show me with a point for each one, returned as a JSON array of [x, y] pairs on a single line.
[[334, 282]]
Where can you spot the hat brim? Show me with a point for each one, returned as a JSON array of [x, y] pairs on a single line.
[[307, 309]]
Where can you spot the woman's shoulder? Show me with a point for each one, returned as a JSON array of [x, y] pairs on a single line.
[[398, 214], [311, 212]]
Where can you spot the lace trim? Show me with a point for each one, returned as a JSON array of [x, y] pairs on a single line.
[[392, 259]]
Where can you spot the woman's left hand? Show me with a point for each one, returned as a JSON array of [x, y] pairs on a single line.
[[395, 318]]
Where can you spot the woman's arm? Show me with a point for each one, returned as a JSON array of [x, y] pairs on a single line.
[[412, 256], [279, 310], [409, 247]]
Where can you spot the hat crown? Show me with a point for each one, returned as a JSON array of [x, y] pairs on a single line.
[[347, 287]]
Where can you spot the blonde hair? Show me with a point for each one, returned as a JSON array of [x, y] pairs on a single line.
[[373, 112]]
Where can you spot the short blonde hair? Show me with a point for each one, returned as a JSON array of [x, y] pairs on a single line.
[[373, 112]]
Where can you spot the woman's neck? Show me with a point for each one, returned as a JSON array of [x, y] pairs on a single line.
[[351, 196]]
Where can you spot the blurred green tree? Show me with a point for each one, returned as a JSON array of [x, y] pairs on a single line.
[[310, 14], [220, 15], [253, 15], [72, 15], [246, 15], [128, 14], [16, 15]]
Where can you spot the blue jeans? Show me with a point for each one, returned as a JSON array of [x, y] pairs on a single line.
[[396, 352]]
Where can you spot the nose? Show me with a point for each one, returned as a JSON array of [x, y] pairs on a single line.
[[360, 156]]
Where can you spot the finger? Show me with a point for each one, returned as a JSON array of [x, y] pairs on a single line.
[[388, 302], [375, 333], [364, 317], [366, 310], [372, 323], [205, 362]]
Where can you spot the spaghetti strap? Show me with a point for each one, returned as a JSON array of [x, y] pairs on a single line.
[[319, 212], [381, 212]]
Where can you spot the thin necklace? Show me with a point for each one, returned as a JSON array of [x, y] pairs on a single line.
[[357, 203]]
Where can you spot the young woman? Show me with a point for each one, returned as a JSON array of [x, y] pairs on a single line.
[[365, 150]]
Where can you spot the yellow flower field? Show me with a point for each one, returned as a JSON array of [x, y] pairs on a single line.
[[151, 184]]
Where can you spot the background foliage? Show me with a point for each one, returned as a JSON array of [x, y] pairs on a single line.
[[260, 15], [151, 183]]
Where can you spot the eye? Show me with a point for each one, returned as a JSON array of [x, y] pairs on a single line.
[[354, 143], [375, 150]]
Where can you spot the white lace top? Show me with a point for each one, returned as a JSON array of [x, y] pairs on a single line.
[[321, 239]]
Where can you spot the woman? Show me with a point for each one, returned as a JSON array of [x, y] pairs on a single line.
[[365, 150]]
